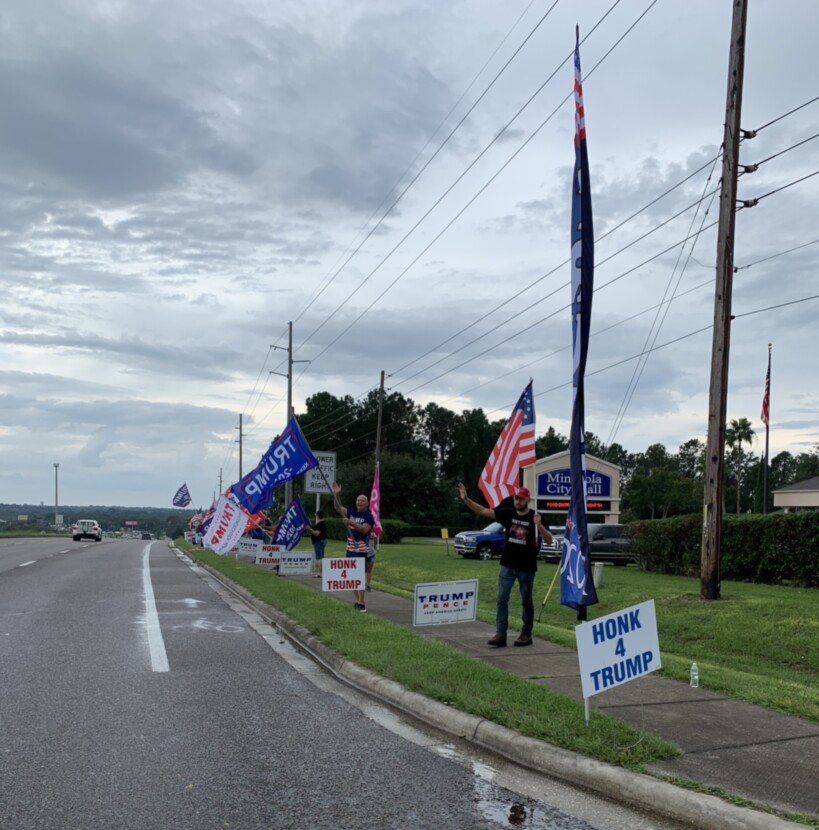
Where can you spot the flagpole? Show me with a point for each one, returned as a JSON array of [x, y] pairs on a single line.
[[767, 434]]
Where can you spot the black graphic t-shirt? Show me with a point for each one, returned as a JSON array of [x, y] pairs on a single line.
[[520, 547]]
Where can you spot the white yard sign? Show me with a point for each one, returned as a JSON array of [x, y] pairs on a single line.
[[268, 554], [247, 545], [295, 563], [343, 573], [439, 603], [617, 648], [313, 482]]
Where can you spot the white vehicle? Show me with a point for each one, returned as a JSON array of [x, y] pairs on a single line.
[[86, 529]]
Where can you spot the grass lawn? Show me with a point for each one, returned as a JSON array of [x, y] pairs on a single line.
[[759, 643], [442, 673]]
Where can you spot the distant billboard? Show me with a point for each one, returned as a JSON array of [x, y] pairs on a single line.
[[131, 524]]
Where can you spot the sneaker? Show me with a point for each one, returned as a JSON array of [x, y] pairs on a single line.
[[523, 640], [368, 588], [499, 641], [357, 606], [362, 609], [316, 576]]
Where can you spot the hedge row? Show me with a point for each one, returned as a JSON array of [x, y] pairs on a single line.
[[771, 549]]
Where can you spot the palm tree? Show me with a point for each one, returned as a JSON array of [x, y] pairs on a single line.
[[740, 432]]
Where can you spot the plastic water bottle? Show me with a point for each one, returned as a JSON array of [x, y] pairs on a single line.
[[695, 676]]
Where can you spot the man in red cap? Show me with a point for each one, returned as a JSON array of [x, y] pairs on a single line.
[[518, 560]]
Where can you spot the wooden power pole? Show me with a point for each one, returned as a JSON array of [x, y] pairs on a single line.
[[718, 393]]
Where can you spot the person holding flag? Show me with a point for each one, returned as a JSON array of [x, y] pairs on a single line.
[[518, 560], [359, 523]]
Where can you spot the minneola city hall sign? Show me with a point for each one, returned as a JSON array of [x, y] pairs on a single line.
[[550, 479]]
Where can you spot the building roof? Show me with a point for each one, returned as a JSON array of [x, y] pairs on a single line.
[[807, 485]]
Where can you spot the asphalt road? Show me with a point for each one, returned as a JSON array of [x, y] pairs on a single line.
[[135, 692]]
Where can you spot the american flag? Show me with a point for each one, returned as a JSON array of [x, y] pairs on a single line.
[[515, 449], [766, 398]]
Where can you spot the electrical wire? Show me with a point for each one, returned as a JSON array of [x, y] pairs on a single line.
[[491, 179], [421, 171], [661, 315]]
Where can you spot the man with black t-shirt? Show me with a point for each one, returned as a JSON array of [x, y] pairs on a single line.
[[518, 560]]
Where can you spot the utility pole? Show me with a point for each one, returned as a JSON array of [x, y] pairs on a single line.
[[56, 494], [288, 487], [241, 436], [718, 393]]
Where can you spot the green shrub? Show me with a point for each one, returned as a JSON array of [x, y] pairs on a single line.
[[758, 548]]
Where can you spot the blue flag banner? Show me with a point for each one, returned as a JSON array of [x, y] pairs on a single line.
[[576, 584], [286, 458], [291, 526], [182, 498]]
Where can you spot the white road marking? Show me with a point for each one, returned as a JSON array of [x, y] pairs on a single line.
[[67, 550], [159, 658], [23, 565], [192, 603]]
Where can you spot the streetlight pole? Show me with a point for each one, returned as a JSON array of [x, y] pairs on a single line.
[[56, 494]]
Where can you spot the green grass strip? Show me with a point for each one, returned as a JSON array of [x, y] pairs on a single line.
[[442, 673]]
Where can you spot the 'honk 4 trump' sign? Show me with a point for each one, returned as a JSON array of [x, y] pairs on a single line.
[[617, 648]]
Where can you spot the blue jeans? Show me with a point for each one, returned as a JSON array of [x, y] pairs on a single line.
[[318, 549], [526, 583]]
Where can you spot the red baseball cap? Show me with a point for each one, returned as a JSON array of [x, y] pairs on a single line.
[[522, 493]]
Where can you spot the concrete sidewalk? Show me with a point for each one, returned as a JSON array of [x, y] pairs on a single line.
[[745, 750]]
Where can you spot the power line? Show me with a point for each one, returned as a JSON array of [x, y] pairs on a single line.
[[418, 175], [784, 115], [656, 326], [774, 256]]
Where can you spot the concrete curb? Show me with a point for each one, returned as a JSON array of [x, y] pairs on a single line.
[[704, 812]]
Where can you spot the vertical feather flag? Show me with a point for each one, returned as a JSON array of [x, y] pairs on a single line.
[[375, 502], [576, 584], [514, 449]]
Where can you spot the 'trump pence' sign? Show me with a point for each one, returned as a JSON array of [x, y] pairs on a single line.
[[437, 603], [617, 648]]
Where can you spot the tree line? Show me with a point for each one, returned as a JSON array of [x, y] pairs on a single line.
[[426, 450]]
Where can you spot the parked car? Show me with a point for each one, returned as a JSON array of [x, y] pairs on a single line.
[[481, 544], [86, 529], [553, 552], [609, 543]]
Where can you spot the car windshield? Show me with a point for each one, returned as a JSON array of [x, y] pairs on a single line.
[[495, 527]]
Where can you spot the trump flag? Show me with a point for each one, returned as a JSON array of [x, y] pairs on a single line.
[[576, 584], [286, 458], [291, 526], [182, 498]]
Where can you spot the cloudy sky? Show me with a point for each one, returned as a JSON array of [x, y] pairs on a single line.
[[183, 178]]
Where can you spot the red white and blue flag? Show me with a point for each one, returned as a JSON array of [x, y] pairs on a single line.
[[576, 584], [514, 449], [766, 398]]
